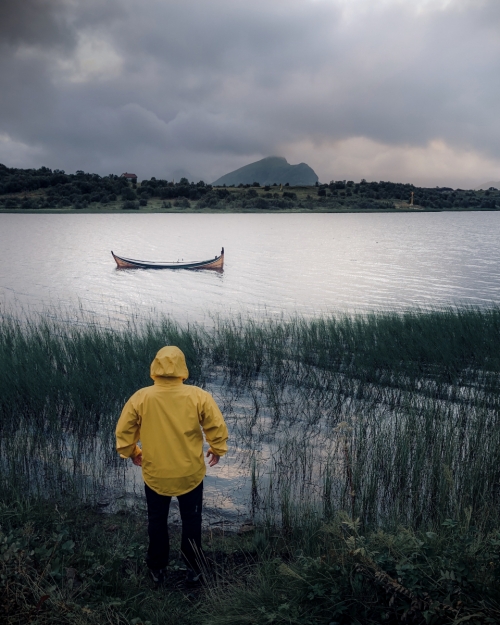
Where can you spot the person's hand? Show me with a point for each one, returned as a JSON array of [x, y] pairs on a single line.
[[213, 458], [138, 460]]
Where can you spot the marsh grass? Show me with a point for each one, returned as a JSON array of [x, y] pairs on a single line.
[[392, 417], [370, 442]]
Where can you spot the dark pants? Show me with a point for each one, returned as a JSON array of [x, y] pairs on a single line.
[[190, 509]]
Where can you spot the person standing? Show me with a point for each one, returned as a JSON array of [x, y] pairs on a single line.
[[170, 418]]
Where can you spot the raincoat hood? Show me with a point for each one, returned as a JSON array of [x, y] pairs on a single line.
[[169, 362]]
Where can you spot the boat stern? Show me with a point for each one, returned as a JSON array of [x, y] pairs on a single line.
[[121, 263]]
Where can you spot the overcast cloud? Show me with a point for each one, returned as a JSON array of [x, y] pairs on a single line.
[[402, 90]]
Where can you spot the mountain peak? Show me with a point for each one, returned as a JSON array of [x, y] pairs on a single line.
[[270, 170]]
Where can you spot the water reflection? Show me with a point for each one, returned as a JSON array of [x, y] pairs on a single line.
[[275, 264]]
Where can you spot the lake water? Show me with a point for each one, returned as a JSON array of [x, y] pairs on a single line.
[[274, 264]]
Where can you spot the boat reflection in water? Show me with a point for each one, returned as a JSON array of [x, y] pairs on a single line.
[[216, 264]]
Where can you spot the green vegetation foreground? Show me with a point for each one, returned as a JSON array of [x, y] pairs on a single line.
[[383, 500]]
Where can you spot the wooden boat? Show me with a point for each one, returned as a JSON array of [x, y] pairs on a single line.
[[216, 263]]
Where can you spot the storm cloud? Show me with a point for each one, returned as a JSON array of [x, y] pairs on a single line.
[[378, 89]]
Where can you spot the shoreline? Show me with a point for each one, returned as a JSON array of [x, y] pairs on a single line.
[[75, 565], [208, 211], [54, 192]]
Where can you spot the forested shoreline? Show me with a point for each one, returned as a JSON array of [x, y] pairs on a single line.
[[46, 189]]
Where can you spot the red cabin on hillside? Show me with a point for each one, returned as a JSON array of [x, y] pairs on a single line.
[[131, 177]]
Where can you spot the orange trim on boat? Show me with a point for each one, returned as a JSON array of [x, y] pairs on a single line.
[[216, 264]]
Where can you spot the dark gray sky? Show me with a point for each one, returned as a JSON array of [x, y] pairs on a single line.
[[403, 90]]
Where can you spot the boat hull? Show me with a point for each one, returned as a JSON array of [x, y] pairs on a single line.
[[215, 264]]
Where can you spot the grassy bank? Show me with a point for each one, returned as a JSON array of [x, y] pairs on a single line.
[[371, 448], [158, 208], [74, 566]]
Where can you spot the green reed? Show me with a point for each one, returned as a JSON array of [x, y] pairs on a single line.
[[392, 417]]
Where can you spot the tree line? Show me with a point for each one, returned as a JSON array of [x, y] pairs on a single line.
[[44, 188], [434, 198]]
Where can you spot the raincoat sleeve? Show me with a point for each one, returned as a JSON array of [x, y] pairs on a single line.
[[214, 426], [128, 431]]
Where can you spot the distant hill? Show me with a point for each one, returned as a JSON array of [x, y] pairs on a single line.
[[488, 185], [270, 170]]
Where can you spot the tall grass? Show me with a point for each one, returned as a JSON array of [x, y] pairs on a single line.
[[390, 417]]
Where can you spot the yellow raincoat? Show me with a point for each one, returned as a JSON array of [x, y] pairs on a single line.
[[168, 418]]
